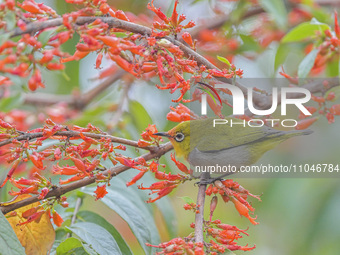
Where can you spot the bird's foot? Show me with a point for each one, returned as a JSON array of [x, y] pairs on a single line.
[[208, 181]]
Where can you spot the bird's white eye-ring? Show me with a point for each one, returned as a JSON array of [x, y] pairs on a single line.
[[179, 137]]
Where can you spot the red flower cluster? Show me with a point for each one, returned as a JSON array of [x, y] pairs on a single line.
[[168, 181], [191, 207], [180, 246], [171, 24], [224, 236], [323, 105], [181, 113], [232, 191]]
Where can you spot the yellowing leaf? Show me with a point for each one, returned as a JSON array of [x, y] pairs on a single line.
[[36, 238]]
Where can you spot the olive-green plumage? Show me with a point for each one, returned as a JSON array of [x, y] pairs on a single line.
[[200, 143]]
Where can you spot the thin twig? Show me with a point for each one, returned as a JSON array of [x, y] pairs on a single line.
[[199, 217], [61, 190], [76, 101], [74, 216]]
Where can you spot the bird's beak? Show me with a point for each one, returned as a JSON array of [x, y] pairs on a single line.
[[162, 134]]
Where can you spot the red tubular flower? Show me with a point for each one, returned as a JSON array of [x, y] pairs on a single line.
[[72, 179], [158, 185], [76, 56], [79, 164], [43, 193], [55, 66], [57, 219], [30, 212], [148, 67], [88, 139], [104, 8], [158, 12], [243, 210], [170, 177], [100, 192], [110, 41], [47, 57], [121, 15], [180, 165], [189, 25], [213, 205], [187, 38], [11, 171], [136, 178], [336, 24], [234, 228], [303, 124], [34, 217], [124, 64], [99, 60], [31, 6], [330, 118], [162, 193], [65, 170], [142, 143], [37, 160], [242, 248], [125, 161], [174, 15], [28, 190]]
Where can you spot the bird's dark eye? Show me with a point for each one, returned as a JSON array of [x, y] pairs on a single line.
[[179, 137]]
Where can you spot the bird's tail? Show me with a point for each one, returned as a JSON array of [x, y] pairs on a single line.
[[300, 132]]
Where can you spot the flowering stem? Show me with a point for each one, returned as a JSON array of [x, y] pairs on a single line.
[[29, 136], [199, 218], [57, 191], [261, 101]]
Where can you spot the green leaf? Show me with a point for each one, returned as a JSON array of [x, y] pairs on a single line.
[[249, 44], [164, 204], [140, 117], [9, 242], [224, 60], [9, 103], [121, 34], [304, 31], [209, 93], [88, 216], [10, 20], [281, 55], [187, 200], [307, 64], [121, 200], [97, 237], [277, 9], [4, 37], [71, 246], [45, 36], [332, 68], [168, 213]]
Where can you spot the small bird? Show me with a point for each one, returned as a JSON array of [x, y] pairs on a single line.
[[205, 146]]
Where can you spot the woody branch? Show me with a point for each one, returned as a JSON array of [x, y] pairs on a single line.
[[69, 133], [58, 191]]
